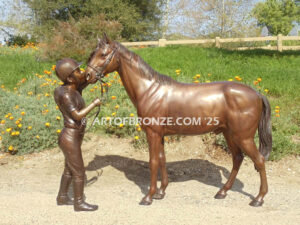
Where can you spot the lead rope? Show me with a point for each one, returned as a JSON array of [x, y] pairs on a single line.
[[102, 99]]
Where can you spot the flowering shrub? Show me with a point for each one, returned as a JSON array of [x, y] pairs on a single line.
[[30, 120]]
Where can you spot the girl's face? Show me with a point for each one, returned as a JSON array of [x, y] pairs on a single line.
[[82, 77]]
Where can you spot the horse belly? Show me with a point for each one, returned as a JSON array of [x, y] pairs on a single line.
[[197, 115]]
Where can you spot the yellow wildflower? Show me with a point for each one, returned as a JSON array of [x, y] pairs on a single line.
[[131, 115], [47, 72], [121, 125], [58, 117], [113, 97], [20, 125], [136, 137], [47, 124], [2, 121], [29, 127], [23, 113], [117, 106], [11, 148], [37, 137], [58, 131]]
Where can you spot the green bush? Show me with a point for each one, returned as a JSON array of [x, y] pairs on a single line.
[[20, 40]]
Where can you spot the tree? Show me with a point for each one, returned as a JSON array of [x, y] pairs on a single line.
[[225, 18], [277, 15], [12, 22], [140, 19]]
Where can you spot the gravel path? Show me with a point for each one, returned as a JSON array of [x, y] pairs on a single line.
[[118, 175]]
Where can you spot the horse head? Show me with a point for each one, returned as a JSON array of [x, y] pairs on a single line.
[[103, 59]]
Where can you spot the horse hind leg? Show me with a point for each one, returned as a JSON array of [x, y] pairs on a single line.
[[249, 147], [237, 159]]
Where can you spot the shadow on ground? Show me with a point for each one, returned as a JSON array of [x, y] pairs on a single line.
[[138, 171]]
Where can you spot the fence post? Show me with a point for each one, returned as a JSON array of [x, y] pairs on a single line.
[[218, 43], [162, 42], [279, 42]]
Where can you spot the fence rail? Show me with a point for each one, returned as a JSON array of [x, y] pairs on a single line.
[[219, 41]]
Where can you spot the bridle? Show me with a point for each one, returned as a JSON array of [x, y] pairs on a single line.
[[100, 69], [99, 76]]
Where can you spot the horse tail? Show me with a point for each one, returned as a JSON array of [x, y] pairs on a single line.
[[265, 129]]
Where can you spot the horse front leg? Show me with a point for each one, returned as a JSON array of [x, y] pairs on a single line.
[[154, 141], [160, 193]]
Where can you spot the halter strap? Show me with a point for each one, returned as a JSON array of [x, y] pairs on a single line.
[[99, 70]]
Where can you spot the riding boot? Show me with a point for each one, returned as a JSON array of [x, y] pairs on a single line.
[[79, 203], [62, 197]]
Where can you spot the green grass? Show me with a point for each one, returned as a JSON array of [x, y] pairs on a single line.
[[280, 73], [19, 63]]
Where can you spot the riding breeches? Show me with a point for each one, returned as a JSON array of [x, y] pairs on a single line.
[[70, 141]]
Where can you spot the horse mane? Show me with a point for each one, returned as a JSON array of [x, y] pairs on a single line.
[[146, 71], [92, 55]]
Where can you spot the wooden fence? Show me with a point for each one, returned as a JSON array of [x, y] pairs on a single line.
[[219, 41]]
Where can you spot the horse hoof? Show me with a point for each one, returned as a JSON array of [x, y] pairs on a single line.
[[158, 196], [146, 201], [256, 203], [220, 195]]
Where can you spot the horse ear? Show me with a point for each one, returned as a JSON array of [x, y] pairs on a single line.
[[106, 39]]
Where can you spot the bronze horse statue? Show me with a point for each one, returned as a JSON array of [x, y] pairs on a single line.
[[237, 111]]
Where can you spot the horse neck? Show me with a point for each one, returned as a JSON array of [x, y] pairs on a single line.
[[136, 85]]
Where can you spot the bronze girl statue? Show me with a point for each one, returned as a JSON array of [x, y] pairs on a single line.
[[72, 106]]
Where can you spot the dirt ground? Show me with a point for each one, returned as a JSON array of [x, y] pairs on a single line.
[[118, 177]]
